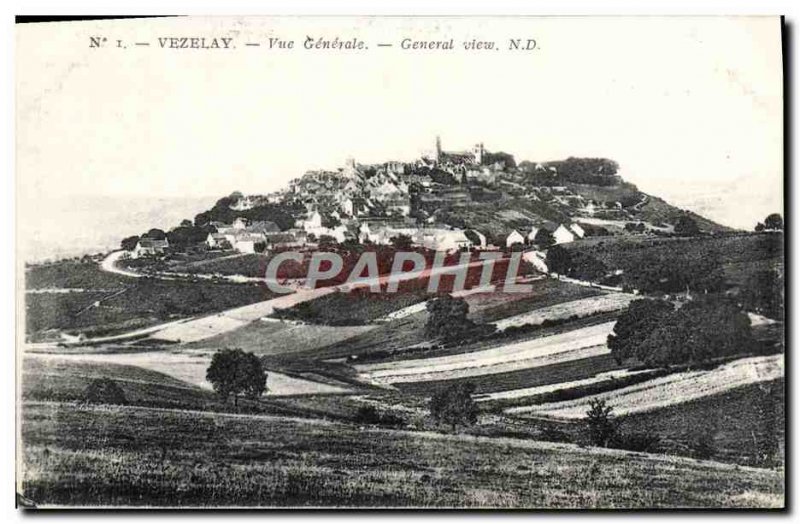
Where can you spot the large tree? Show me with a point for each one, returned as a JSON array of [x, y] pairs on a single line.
[[447, 317], [235, 372], [633, 327]]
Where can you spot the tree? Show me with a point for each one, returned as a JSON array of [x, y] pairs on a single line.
[[129, 243], [234, 372], [763, 292], [184, 236], [156, 234], [447, 317], [774, 222], [635, 325], [760, 227], [331, 221], [559, 260], [544, 239], [686, 227], [454, 406], [401, 242], [186, 223], [327, 242], [600, 424], [701, 330]]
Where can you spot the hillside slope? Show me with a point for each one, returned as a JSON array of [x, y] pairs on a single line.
[[94, 456]]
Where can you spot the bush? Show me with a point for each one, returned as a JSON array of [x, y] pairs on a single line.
[[601, 427], [105, 391]]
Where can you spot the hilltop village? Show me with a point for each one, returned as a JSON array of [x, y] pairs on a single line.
[[443, 201]]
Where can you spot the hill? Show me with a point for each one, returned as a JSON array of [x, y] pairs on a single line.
[[489, 193]]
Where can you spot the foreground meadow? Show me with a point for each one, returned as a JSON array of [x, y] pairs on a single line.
[[134, 456]]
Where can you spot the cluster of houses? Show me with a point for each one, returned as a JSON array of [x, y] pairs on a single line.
[[561, 235], [254, 237], [372, 203]]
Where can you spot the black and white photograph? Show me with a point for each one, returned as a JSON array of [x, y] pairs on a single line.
[[400, 262]]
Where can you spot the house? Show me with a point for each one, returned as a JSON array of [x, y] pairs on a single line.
[[346, 205], [148, 247], [247, 242], [562, 235], [442, 239], [239, 223], [578, 230], [532, 234], [313, 221], [243, 204], [514, 238], [217, 241]]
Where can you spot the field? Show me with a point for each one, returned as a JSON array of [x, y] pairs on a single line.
[[135, 456], [743, 425], [264, 337], [122, 303], [72, 275], [573, 345], [530, 377], [490, 307], [575, 308], [249, 265], [666, 391], [353, 308]]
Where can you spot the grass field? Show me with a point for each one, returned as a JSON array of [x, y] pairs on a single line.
[[136, 456]]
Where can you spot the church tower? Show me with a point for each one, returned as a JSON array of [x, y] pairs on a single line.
[[438, 149], [478, 151]]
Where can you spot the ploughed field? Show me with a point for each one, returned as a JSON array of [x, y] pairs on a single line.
[[133, 456]]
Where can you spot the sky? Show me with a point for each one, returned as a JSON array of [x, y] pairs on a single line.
[[691, 108]]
